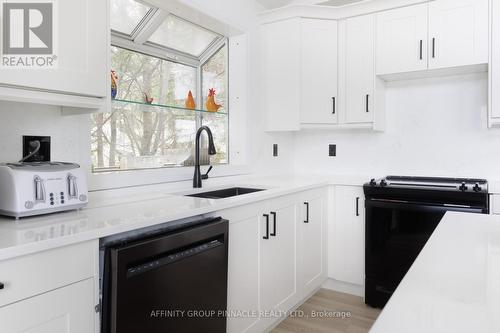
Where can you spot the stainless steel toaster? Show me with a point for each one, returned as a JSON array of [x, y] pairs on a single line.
[[28, 189]]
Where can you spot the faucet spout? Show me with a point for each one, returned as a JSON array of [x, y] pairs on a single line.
[[211, 151]]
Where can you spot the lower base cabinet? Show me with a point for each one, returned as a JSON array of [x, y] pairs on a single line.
[[347, 235], [66, 310], [277, 257]]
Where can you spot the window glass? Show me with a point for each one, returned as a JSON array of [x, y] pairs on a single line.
[[126, 15], [135, 135], [182, 35]]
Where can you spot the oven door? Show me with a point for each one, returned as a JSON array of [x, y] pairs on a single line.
[[396, 232]]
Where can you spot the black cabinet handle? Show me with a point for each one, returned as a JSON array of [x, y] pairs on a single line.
[[2, 285], [367, 103], [267, 226], [434, 47], [307, 212], [274, 224], [421, 49], [357, 206], [334, 105]]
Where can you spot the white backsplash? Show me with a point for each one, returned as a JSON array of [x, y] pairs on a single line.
[[434, 127]]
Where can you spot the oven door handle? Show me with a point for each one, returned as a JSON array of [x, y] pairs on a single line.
[[418, 206]]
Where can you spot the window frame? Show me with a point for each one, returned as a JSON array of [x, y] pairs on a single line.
[[137, 42]]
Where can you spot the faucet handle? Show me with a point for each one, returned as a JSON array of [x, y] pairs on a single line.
[[205, 176]]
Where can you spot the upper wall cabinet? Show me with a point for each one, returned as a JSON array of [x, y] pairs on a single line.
[[494, 95], [302, 77], [299, 73], [458, 33], [281, 81], [319, 72], [402, 40], [357, 69], [80, 43], [437, 35]]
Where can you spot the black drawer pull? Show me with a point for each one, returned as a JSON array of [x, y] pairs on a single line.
[[421, 49], [357, 206], [334, 105], [274, 224], [2, 285], [434, 48], [367, 103], [267, 226], [307, 212]]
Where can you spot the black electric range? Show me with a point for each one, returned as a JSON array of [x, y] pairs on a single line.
[[401, 214]]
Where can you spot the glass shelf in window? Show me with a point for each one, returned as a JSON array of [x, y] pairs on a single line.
[[146, 107]]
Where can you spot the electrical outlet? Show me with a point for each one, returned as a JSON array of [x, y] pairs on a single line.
[[275, 150], [332, 150], [43, 155]]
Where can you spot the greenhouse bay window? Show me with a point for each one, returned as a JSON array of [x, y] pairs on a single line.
[[157, 59]]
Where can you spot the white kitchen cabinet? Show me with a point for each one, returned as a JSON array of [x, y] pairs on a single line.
[[82, 49], [458, 33], [243, 267], [358, 70], [278, 255], [275, 258], [66, 310], [402, 40], [319, 52], [494, 70], [313, 241], [281, 74], [346, 236]]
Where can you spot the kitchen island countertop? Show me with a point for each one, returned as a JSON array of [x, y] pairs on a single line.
[[454, 284]]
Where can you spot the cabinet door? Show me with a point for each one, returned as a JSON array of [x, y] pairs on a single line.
[[279, 256], [458, 33], [281, 74], [65, 310], [319, 72], [346, 239], [312, 246], [82, 50], [495, 60], [243, 267], [360, 69], [402, 40]]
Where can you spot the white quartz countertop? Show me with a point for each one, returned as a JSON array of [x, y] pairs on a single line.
[[454, 284], [113, 212]]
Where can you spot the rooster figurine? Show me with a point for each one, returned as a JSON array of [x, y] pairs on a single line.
[[114, 84], [210, 104], [147, 99], [190, 104]]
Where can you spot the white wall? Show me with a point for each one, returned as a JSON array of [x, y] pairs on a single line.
[[434, 127]]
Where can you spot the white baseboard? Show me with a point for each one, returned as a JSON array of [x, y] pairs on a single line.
[[344, 287]]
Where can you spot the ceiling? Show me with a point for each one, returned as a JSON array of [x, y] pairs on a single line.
[[338, 2], [270, 4]]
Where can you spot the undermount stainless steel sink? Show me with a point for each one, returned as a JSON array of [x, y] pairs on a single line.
[[225, 193]]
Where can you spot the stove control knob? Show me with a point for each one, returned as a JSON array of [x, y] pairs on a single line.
[[477, 188], [383, 183], [373, 182], [463, 187]]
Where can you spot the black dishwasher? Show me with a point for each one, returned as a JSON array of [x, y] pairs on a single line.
[[171, 279]]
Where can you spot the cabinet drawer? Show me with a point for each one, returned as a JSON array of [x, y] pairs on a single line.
[[68, 309], [34, 274]]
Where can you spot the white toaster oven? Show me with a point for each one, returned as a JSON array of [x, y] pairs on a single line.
[[28, 189]]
